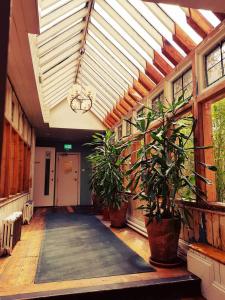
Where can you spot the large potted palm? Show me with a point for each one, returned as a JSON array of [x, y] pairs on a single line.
[[108, 175], [160, 172]]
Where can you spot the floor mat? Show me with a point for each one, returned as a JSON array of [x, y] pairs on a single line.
[[78, 246]]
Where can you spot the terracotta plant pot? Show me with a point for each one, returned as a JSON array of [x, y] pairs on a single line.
[[118, 216], [105, 213], [163, 240]]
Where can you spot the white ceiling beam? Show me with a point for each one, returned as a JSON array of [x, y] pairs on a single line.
[[121, 40], [104, 72], [71, 66], [61, 38], [57, 94], [60, 11], [61, 49], [53, 90], [71, 59], [127, 28], [92, 82], [59, 81], [47, 3], [103, 75], [84, 82], [105, 66], [121, 69], [100, 81], [58, 85], [53, 31], [60, 58]]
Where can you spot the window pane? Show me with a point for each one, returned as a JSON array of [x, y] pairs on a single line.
[[189, 166], [176, 96], [213, 58], [177, 86], [128, 127], [218, 123], [187, 78], [188, 90], [214, 73], [223, 49], [120, 132]]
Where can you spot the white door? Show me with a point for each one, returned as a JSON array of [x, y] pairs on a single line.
[[44, 176], [68, 179]]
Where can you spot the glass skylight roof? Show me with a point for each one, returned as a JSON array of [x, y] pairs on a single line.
[[122, 36]]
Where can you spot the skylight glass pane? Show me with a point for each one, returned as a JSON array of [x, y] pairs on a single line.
[[138, 28], [106, 61], [113, 55], [61, 18], [117, 45], [122, 32], [210, 17], [178, 15], [155, 22]]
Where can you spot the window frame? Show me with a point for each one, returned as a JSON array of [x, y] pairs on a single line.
[[218, 46], [181, 76]]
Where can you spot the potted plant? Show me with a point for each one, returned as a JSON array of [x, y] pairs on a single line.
[[108, 176], [161, 174]]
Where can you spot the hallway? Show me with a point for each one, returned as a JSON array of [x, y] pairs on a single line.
[[17, 272]]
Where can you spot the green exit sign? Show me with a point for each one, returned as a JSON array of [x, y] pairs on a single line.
[[67, 147]]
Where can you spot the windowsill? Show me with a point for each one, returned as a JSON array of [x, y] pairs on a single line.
[[12, 198], [212, 206], [209, 251]]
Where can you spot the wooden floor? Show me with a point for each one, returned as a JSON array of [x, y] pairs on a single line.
[[17, 272]]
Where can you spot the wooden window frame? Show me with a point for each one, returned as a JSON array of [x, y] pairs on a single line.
[[120, 131], [218, 46], [182, 82]]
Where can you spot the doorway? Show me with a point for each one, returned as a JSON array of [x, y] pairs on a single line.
[[68, 179], [44, 176]]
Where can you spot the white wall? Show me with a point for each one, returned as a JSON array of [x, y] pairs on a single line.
[[62, 116]]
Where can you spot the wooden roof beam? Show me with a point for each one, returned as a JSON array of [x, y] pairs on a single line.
[[171, 52], [125, 104], [199, 23], [140, 88], [121, 109], [146, 81], [161, 64], [152, 72], [130, 100], [183, 40], [134, 94]]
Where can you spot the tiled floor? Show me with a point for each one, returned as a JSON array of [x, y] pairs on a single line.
[[17, 272]]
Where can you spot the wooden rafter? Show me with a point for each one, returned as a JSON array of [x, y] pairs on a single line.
[[183, 40], [134, 94], [121, 109], [130, 100], [171, 52], [125, 104], [152, 72], [161, 64], [146, 81], [199, 23], [90, 6], [140, 88]]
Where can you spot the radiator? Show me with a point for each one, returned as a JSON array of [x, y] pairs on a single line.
[[28, 212], [11, 231]]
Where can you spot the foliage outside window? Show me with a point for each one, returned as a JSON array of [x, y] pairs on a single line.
[[120, 132], [215, 64], [218, 132], [189, 165], [183, 86], [129, 127], [157, 100]]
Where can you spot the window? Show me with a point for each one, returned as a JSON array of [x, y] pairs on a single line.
[[120, 130], [183, 86], [218, 134], [186, 121], [157, 100], [129, 127], [215, 64]]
